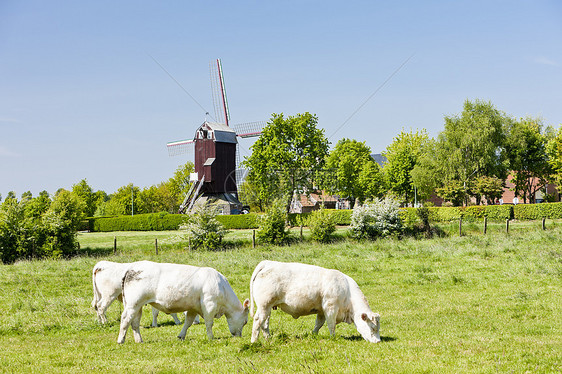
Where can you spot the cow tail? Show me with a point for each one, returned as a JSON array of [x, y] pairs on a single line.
[[258, 268], [123, 287], [95, 286]]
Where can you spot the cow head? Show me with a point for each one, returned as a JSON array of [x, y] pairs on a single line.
[[238, 320], [369, 326]]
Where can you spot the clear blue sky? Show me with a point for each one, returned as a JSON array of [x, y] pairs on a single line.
[[80, 96]]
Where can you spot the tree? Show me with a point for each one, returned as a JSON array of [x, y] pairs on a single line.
[[287, 156], [527, 155], [554, 151], [490, 188], [470, 146], [357, 175], [402, 156], [179, 184], [85, 193]]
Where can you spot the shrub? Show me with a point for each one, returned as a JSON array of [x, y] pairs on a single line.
[[273, 225], [537, 211], [322, 226], [375, 219], [204, 229]]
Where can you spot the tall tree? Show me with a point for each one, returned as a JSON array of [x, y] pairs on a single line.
[[470, 146], [287, 157], [554, 151], [86, 194], [527, 155], [402, 156], [357, 175]]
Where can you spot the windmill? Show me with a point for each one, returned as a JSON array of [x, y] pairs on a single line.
[[215, 146]]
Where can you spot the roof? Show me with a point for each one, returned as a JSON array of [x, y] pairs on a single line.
[[222, 133]]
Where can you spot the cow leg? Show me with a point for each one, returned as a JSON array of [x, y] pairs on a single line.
[[265, 328], [189, 317], [209, 325], [154, 317], [196, 320], [126, 318], [260, 318], [101, 308], [320, 319], [331, 321], [176, 319], [135, 326]]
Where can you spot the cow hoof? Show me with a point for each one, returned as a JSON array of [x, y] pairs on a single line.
[[181, 337]]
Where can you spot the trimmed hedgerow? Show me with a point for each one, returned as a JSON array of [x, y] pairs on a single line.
[[537, 211], [471, 213], [240, 221], [163, 221]]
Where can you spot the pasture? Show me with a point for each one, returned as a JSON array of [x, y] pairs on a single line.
[[475, 303]]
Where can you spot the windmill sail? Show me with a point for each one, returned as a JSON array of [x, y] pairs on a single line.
[[219, 93]]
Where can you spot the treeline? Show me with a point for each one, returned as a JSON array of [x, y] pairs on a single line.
[[467, 163], [46, 226]]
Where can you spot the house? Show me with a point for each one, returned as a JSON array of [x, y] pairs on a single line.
[[302, 203]]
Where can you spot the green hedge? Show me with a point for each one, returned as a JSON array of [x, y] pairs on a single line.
[[165, 221], [161, 222], [471, 213], [341, 217], [537, 211]]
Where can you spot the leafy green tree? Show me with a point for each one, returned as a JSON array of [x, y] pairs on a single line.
[[470, 146], [322, 225], [85, 193], [402, 156], [357, 175], [528, 160], [61, 223], [179, 185], [38, 206], [287, 156], [554, 151], [453, 191], [490, 188], [249, 195]]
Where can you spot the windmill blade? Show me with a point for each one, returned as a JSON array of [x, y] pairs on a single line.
[[249, 129], [180, 147], [219, 92]]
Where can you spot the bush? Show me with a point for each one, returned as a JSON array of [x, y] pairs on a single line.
[[379, 218], [537, 211], [322, 226], [273, 225], [204, 229]]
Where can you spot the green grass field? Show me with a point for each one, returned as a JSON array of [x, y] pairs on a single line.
[[474, 303]]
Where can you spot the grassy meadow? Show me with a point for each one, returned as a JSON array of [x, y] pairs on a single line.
[[473, 303]]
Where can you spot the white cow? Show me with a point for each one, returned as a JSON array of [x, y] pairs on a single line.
[[174, 288], [300, 290], [106, 279]]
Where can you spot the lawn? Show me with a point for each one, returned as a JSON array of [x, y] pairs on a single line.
[[472, 303]]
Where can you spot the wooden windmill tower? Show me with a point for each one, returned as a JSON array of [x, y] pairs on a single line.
[[215, 146]]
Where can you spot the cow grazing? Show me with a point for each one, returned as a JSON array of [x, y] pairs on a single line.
[[174, 288], [300, 290], [106, 279]]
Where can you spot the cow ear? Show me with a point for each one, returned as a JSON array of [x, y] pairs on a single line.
[[364, 316], [246, 304]]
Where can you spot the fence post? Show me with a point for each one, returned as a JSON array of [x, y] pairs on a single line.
[[301, 231], [507, 226], [156, 245], [189, 243], [460, 226], [253, 238], [543, 223], [114, 244], [485, 225]]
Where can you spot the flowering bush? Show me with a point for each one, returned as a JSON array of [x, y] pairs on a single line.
[[374, 219]]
